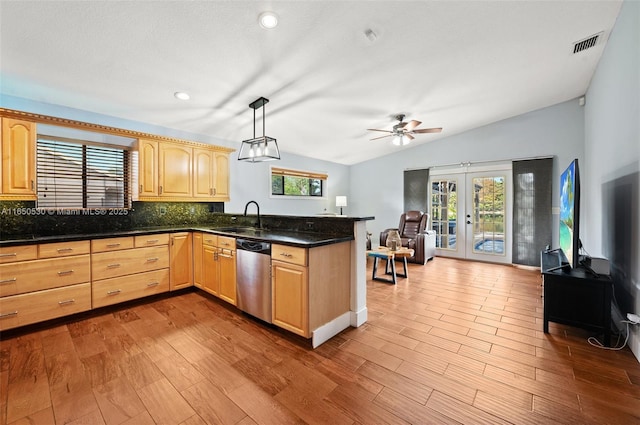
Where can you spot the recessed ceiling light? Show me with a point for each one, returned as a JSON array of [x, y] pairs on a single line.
[[268, 20], [181, 95]]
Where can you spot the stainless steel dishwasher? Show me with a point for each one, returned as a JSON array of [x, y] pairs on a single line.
[[253, 272]]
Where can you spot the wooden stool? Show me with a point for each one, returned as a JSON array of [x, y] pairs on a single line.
[[390, 266]]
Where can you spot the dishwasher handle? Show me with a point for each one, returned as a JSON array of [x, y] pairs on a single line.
[[253, 246]]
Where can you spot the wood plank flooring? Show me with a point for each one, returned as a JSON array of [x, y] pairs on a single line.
[[456, 342]]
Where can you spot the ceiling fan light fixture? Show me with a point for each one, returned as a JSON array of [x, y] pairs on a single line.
[[259, 149], [268, 20]]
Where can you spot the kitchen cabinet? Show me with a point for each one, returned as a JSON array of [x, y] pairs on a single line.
[[18, 147], [148, 164], [40, 282], [219, 267], [310, 287], [221, 176], [175, 170], [197, 259], [127, 268], [227, 269], [181, 261]]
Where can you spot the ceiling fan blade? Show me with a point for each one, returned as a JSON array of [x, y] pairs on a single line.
[[428, 130], [375, 129], [382, 137], [412, 124], [408, 136]]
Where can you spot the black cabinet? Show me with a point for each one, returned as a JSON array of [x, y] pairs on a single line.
[[575, 297]]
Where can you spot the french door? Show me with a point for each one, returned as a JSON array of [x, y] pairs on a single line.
[[471, 212]]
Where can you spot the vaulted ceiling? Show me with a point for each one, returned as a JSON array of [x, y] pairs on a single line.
[[331, 69]]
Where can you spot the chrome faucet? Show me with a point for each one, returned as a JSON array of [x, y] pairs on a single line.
[[257, 207]]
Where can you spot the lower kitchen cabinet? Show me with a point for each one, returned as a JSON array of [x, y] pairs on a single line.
[[181, 260], [125, 288], [310, 287], [290, 297], [217, 271]]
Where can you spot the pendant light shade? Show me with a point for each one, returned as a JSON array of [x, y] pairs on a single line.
[[262, 148]]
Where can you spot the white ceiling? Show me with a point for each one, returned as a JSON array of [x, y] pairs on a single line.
[[452, 64]]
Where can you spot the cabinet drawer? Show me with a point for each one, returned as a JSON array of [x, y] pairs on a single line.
[[289, 254], [227, 243], [24, 309], [36, 275], [105, 265], [119, 289], [151, 240], [209, 239], [63, 249], [111, 244], [11, 254]]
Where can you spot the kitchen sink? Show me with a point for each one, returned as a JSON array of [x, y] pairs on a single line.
[[249, 231]]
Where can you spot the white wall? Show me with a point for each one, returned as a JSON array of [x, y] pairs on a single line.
[[249, 181], [558, 130], [612, 161]]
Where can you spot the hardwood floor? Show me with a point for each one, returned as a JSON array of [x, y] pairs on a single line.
[[456, 342]]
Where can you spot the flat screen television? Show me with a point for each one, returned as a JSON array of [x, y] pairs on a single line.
[[570, 213]]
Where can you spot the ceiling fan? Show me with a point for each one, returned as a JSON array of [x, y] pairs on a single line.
[[403, 131]]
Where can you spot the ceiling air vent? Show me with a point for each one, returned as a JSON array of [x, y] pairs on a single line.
[[587, 43]]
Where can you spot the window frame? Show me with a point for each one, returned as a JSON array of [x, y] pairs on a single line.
[[284, 172], [85, 146]]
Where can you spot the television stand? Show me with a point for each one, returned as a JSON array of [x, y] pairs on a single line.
[[575, 297]]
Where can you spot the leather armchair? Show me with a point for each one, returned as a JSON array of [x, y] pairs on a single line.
[[412, 229]]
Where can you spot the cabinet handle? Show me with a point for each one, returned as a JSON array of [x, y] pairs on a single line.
[[114, 292], [151, 284], [113, 245], [13, 254], [210, 191], [286, 254], [215, 256], [160, 192], [13, 279], [33, 185], [208, 240], [65, 272], [65, 302], [113, 266], [152, 241], [61, 250], [215, 192], [152, 260], [13, 313], [140, 188]]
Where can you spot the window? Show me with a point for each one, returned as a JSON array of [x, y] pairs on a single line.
[[76, 174], [285, 182]]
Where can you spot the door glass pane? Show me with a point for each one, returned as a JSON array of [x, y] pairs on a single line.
[[488, 215], [444, 209]]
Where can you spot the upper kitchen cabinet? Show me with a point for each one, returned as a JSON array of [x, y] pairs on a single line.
[[210, 174], [167, 169], [182, 171], [148, 167], [18, 148], [175, 171]]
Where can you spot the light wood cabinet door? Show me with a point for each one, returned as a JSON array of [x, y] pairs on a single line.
[[227, 274], [18, 159], [290, 299], [181, 260], [175, 171], [203, 171], [210, 270], [148, 165], [221, 176]]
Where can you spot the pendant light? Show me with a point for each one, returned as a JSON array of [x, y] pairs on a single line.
[[259, 149]]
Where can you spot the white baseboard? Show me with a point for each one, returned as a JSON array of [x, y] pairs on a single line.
[[358, 318], [330, 329]]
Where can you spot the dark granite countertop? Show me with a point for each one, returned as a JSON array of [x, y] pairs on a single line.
[[293, 238]]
